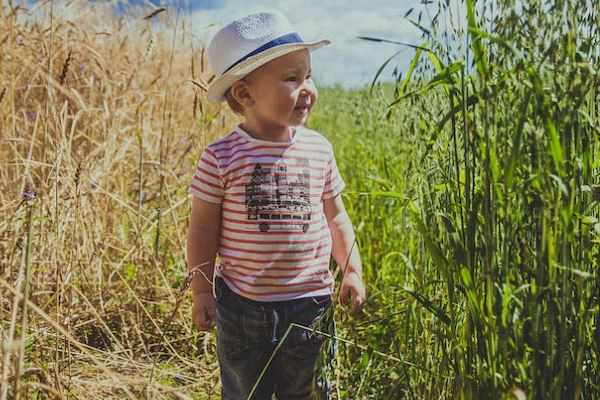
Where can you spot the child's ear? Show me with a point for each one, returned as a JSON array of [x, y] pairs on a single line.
[[241, 93]]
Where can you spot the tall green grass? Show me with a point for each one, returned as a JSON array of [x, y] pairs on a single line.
[[477, 206]]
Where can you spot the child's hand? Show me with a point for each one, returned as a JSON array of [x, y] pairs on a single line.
[[203, 310], [353, 287]]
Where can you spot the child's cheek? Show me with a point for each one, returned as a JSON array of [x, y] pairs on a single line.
[[288, 86], [314, 93]]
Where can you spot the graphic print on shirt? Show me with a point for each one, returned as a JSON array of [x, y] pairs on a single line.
[[278, 200]]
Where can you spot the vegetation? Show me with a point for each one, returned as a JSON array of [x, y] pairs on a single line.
[[473, 184]]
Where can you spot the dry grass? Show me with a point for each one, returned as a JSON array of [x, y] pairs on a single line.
[[102, 124]]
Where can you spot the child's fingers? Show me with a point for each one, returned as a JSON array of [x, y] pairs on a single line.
[[203, 325], [357, 303], [204, 319], [203, 311], [209, 316], [344, 294], [197, 322]]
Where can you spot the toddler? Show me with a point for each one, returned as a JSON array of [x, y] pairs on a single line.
[[267, 199]]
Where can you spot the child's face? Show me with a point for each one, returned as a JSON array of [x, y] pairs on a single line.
[[282, 90]]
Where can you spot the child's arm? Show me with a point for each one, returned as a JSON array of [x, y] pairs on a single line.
[[345, 252], [202, 245]]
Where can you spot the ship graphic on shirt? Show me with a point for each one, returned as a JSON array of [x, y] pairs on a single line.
[[278, 200]]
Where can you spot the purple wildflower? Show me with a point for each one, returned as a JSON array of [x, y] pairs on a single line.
[[29, 192], [31, 116], [93, 183]]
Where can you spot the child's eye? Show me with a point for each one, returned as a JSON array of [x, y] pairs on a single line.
[[293, 78]]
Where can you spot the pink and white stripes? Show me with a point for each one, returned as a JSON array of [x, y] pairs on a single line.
[[275, 242]]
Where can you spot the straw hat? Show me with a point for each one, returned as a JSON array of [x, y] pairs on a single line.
[[248, 43]]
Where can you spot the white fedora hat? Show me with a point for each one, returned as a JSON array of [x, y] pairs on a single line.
[[248, 43]]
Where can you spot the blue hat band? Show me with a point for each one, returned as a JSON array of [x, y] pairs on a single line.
[[285, 39]]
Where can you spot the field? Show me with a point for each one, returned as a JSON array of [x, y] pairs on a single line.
[[473, 183]]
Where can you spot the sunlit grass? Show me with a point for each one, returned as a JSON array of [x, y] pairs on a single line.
[[474, 198]]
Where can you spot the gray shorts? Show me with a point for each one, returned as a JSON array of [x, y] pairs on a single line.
[[249, 331]]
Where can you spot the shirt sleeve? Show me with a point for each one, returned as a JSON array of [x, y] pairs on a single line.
[[207, 183], [334, 184]]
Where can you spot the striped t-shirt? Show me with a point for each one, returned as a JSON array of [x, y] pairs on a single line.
[[275, 243]]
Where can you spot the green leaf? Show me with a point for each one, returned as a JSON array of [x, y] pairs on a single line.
[[476, 46], [377, 193], [421, 27], [130, 271], [378, 40], [380, 70], [555, 146], [444, 77], [512, 160], [429, 305], [577, 272], [470, 292], [430, 243], [496, 39], [411, 69]]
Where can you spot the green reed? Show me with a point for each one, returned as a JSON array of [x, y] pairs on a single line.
[[481, 245]]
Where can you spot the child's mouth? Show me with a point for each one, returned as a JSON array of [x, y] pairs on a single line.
[[302, 109]]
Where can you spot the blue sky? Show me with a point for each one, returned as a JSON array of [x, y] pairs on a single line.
[[348, 61], [186, 4]]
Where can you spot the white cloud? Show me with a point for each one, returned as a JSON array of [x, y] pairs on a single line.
[[348, 60]]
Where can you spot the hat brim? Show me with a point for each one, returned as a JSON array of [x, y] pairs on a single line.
[[217, 89]]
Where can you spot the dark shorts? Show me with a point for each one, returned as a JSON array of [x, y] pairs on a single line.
[[248, 333]]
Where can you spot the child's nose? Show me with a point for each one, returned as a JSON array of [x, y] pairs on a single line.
[[308, 89]]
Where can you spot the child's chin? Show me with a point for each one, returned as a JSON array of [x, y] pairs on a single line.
[[295, 121]]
